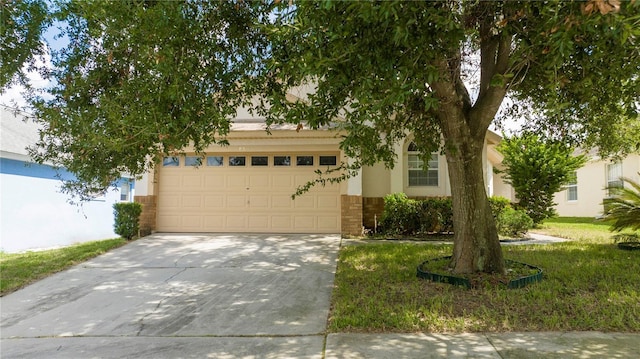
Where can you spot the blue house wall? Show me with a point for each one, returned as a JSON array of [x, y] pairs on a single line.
[[35, 215]]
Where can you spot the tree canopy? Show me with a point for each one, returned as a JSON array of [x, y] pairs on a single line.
[[143, 78], [23, 22]]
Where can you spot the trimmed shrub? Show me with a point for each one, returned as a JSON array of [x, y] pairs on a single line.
[[498, 204], [406, 216], [400, 215], [437, 215], [127, 219], [513, 223], [430, 217]]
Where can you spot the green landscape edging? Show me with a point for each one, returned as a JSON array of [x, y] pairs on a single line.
[[629, 246], [524, 281], [451, 279]]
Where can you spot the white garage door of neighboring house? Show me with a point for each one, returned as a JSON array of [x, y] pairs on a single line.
[[239, 192]]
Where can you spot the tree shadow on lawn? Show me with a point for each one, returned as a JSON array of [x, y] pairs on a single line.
[[585, 287]]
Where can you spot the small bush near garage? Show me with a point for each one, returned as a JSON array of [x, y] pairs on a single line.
[[127, 219]]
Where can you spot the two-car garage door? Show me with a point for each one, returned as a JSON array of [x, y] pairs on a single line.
[[245, 192]]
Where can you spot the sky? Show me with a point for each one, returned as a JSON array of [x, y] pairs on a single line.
[[13, 96]]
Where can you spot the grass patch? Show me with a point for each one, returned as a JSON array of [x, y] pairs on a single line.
[[20, 269], [584, 229], [586, 286]]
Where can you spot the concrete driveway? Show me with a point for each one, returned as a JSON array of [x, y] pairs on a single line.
[[181, 295]]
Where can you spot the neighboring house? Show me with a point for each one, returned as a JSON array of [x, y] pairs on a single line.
[[247, 186], [33, 213], [583, 198]]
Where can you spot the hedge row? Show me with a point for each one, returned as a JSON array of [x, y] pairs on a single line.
[[405, 216], [408, 216]]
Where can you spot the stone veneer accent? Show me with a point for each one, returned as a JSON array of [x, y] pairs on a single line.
[[351, 213], [148, 215]]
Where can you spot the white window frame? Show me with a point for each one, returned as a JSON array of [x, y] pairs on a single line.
[[572, 189], [125, 190], [614, 175], [415, 165]]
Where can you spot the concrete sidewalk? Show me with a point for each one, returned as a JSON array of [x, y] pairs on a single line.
[[578, 345], [234, 296], [503, 345]]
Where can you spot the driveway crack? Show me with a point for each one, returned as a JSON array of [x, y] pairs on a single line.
[[175, 263], [160, 302], [493, 346]]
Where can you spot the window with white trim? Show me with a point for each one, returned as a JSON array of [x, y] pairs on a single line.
[[572, 188], [421, 173], [614, 175], [125, 190]]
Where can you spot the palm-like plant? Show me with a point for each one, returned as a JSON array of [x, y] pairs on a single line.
[[623, 207]]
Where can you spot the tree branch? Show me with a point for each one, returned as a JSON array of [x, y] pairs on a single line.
[[488, 48], [450, 88], [494, 61]]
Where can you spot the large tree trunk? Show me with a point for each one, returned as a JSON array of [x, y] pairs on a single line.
[[464, 125], [476, 246]]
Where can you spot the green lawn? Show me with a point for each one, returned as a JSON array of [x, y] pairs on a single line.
[[578, 228], [18, 270], [589, 284]]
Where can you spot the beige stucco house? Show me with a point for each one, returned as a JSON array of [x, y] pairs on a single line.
[[247, 186], [583, 198]]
